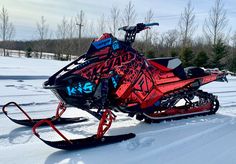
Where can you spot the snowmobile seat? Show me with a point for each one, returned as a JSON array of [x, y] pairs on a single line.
[[169, 64], [193, 72]]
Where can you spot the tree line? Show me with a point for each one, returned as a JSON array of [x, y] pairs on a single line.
[[215, 47]]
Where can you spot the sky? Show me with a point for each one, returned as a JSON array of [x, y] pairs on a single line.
[[24, 14]]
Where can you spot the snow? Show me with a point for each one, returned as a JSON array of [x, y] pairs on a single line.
[[29, 67], [207, 139]]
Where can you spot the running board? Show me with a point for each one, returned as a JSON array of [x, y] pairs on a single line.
[[150, 119]]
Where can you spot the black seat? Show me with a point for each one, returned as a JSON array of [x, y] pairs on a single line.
[[193, 72]]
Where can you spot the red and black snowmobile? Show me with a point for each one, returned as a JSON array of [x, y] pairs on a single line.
[[114, 77]]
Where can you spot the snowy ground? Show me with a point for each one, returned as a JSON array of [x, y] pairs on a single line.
[[209, 139]]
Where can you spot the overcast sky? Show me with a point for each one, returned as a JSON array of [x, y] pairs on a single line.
[[25, 13]]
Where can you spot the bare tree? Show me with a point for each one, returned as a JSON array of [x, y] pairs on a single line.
[[187, 24], [146, 36], [233, 47], [71, 38], [101, 24], [216, 24], [234, 40], [148, 19], [62, 35], [71, 28], [171, 38], [129, 15], [91, 32], [80, 23], [42, 30], [201, 44], [156, 39], [115, 14], [167, 41], [7, 29], [62, 29]]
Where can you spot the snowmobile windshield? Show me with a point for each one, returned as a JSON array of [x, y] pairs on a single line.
[[103, 46]]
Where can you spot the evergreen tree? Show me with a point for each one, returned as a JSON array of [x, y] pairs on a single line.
[[201, 59], [233, 66], [186, 56], [232, 63], [220, 50], [174, 53], [150, 54], [28, 52]]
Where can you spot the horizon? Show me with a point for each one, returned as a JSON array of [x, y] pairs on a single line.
[[24, 17]]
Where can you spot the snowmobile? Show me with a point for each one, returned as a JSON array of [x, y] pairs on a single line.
[[113, 77]]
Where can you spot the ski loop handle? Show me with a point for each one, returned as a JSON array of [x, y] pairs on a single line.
[[38, 124], [15, 104]]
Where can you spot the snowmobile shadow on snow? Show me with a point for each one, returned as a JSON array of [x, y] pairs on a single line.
[[25, 133], [141, 141], [143, 127], [59, 156]]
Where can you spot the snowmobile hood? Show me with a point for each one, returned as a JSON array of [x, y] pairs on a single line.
[[99, 50]]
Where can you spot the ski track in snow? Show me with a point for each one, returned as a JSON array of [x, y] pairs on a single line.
[[205, 139]]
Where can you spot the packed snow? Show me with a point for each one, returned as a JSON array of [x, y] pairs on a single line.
[[206, 139]]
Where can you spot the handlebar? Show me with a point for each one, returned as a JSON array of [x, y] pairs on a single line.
[[138, 27], [131, 31]]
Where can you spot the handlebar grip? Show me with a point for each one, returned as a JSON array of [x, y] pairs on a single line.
[[151, 24], [122, 28]]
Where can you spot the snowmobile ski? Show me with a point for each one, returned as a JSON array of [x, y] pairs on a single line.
[[56, 120], [83, 143]]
